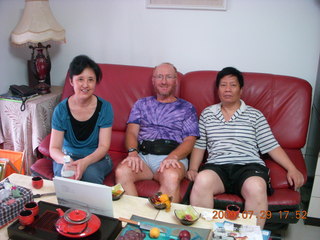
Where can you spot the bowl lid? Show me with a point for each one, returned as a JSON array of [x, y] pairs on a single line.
[[77, 216]]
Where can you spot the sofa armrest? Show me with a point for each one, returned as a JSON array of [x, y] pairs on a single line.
[[42, 167], [278, 174], [43, 148]]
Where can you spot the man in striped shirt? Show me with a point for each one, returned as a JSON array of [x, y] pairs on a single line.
[[234, 134]]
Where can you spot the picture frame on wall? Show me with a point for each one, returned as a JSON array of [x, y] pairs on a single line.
[[188, 4]]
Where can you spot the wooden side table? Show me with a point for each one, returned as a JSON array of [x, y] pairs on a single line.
[[24, 130]]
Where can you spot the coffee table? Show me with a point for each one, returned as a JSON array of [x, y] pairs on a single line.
[[124, 207]]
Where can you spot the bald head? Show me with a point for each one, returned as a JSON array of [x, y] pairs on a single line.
[[164, 81], [166, 64]]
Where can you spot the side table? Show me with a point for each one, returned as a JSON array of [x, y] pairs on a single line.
[[24, 130]]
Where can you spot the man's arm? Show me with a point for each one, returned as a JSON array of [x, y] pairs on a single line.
[[133, 160], [195, 162], [184, 149], [132, 135], [294, 176]]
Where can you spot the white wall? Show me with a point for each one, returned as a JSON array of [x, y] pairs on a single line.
[[271, 36]]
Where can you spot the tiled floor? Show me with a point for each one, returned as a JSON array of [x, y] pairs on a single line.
[[300, 231]]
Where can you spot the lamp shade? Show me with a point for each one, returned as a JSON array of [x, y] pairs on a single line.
[[37, 24]]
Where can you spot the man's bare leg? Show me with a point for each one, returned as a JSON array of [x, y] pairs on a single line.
[[206, 185], [127, 177], [170, 180], [254, 191]]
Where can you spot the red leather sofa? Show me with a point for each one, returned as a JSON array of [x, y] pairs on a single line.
[[285, 102]]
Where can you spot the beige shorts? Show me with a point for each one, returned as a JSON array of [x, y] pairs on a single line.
[[154, 161]]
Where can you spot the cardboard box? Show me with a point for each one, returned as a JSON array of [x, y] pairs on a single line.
[[13, 162]]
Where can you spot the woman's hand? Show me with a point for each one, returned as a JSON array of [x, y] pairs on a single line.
[[81, 167]]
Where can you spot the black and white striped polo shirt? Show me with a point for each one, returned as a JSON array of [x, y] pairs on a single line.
[[237, 141]]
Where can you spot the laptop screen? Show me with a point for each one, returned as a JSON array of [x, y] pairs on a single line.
[[95, 198]]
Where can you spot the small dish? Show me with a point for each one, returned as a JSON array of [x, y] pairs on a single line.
[[117, 192], [187, 216], [157, 203]]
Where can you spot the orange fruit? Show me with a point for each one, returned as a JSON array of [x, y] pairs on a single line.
[[168, 205], [154, 232], [163, 198]]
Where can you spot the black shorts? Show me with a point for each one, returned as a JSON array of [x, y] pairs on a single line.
[[234, 175]]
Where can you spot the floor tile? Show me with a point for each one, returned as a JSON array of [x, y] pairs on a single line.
[[300, 231]]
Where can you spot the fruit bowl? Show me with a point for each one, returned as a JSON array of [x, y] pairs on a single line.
[[117, 192], [187, 216], [160, 201]]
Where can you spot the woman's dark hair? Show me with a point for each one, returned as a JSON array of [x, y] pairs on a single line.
[[230, 71], [79, 63]]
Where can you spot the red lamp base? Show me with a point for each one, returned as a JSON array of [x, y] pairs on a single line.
[[41, 66], [42, 87]]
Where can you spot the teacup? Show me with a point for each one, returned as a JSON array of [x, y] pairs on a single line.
[[26, 217], [33, 207], [232, 211], [37, 182]]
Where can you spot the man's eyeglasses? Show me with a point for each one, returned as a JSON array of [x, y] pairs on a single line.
[[167, 77]]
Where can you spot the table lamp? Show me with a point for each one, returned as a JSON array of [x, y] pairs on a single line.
[[37, 26]]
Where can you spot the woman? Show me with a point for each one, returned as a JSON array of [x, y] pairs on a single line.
[[81, 125]]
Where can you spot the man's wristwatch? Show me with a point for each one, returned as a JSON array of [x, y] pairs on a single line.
[[132, 150]]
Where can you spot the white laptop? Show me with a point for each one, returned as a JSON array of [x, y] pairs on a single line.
[[96, 198]]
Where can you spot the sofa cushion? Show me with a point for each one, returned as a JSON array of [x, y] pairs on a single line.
[[118, 141], [280, 199], [42, 167]]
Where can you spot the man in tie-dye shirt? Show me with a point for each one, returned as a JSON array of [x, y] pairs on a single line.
[[161, 132]]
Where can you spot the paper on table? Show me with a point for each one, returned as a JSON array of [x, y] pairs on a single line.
[[237, 231]]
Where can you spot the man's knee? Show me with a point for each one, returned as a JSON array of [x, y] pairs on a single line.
[[254, 187], [205, 179], [122, 171], [124, 174], [199, 185], [208, 182], [170, 176]]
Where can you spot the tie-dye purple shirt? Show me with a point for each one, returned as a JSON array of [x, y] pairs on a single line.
[[173, 121]]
